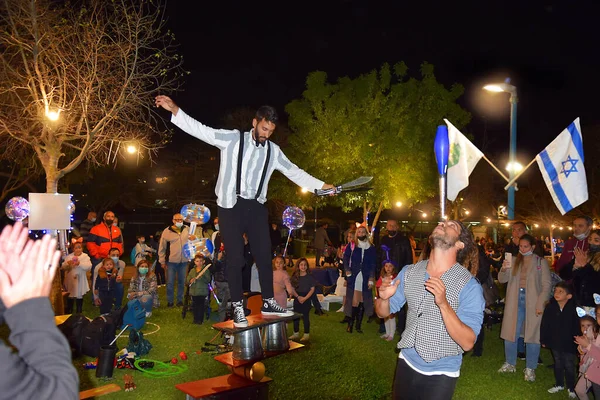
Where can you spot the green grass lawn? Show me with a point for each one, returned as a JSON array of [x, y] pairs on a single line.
[[335, 365]]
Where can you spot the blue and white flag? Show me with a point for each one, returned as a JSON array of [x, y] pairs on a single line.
[[561, 163]]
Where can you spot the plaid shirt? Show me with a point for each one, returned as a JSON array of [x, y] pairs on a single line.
[[145, 286]]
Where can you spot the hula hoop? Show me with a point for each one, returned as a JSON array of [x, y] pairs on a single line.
[[153, 332], [160, 369]]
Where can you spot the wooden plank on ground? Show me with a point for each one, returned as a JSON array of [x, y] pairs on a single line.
[[99, 391], [218, 384], [227, 358]]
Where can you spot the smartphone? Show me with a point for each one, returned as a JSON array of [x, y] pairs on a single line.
[[508, 257]]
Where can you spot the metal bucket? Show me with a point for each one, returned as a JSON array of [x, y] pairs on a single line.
[[274, 337], [247, 345]]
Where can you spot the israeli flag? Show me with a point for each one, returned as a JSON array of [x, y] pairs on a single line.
[[561, 164]]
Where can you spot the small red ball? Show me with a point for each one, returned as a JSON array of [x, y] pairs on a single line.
[[183, 356], [174, 360]]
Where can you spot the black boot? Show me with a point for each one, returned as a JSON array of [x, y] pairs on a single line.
[[351, 322], [69, 306], [359, 317], [345, 320], [79, 305]]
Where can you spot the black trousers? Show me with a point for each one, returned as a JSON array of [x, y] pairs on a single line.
[[250, 217], [304, 309], [160, 274], [564, 368], [411, 385], [198, 308]]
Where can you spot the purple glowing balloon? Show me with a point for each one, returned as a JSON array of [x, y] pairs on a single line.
[[17, 208], [441, 147], [293, 217]]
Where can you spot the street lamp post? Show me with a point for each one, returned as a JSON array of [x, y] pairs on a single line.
[[512, 165]]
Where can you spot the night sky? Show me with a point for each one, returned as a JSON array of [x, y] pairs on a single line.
[[253, 53]]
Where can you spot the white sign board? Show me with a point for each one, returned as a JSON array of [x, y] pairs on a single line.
[[49, 211]]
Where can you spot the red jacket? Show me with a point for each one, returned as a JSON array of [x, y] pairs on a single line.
[[103, 238], [567, 253]]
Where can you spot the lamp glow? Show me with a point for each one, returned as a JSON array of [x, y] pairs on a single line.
[[131, 149], [398, 204], [53, 115], [515, 167]]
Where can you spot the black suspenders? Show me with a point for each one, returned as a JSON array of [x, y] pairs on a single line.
[[238, 185]]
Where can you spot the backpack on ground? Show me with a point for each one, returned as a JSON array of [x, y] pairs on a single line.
[[137, 344], [73, 328], [100, 332], [135, 315]]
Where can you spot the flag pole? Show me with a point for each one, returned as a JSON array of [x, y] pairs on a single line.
[[512, 182], [495, 168]]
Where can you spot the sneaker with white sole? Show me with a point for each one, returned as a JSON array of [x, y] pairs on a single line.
[[305, 337], [556, 389], [506, 367], [271, 308], [572, 394], [295, 336], [529, 374], [239, 316]]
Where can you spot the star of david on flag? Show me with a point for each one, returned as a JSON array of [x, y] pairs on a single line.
[[562, 167]]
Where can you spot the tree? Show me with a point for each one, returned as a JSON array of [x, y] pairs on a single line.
[[78, 80], [381, 124]]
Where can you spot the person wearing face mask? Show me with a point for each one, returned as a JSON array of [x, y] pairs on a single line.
[[76, 266], [87, 225], [528, 290], [584, 271], [359, 266], [172, 240], [143, 287], [581, 230], [102, 238], [119, 265]]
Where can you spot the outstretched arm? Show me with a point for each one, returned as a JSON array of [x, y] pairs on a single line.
[[297, 175]]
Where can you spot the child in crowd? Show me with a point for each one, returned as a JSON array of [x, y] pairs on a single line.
[[143, 287], [589, 329], [304, 284], [104, 287], [388, 272], [142, 250], [76, 266], [282, 286], [198, 287], [560, 324]]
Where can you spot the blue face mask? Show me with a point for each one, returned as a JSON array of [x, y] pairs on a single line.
[[116, 261], [530, 252], [143, 271]]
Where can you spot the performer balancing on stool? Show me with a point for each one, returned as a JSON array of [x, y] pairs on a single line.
[[445, 312], [248, 160]]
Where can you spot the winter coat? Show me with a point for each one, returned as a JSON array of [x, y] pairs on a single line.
[[143, 287], [174, 241], [586, 282], [537, 292], [200, 286], [76, 282], [360, 260], [593, 371], [104, 283], [102, 238], [559, 327]]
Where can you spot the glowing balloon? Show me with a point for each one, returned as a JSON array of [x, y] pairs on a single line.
[[17, 208], [293, 217], [195, 213], [199, 246]]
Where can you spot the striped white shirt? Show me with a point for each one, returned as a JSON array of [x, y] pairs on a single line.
[[254, 158]]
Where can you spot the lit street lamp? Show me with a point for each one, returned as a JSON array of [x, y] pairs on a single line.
[[508, 88]]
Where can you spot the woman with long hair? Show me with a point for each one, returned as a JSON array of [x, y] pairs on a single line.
[[359, 265], [143, 287], [584, 270], [528, 290]]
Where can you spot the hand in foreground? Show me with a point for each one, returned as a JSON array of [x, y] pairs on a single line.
[[39, 264], [581, 257], [166, 103], [505, 265], [13, 241], [436, 287], [387, 290]]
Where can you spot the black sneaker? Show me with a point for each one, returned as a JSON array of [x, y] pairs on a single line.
[[170, 305], [239, 317], [271, 308], [180, 304], [521, 356]]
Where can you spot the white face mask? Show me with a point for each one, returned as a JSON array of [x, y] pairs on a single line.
[[93, 219], [217, 227], [530, 252], [581, 236], [179, 224]]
